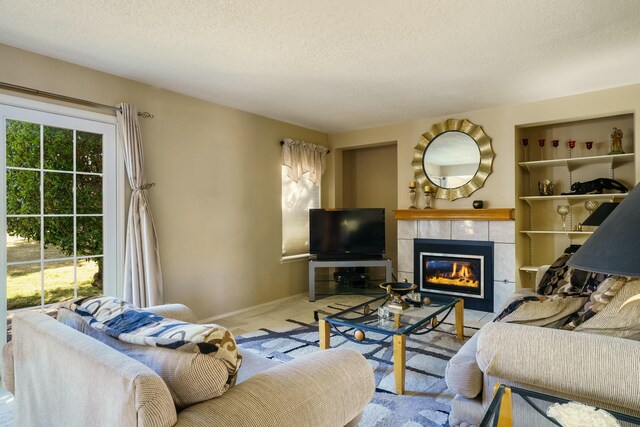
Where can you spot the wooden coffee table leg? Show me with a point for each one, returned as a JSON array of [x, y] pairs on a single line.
[[325, 334], [399, 361], [460, 319]]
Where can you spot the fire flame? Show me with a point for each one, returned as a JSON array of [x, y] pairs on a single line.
[[461, 275]]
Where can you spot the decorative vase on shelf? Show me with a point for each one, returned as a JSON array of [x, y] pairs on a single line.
[[563, 211]]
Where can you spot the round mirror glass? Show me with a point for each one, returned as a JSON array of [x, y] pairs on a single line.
[[451, 160]]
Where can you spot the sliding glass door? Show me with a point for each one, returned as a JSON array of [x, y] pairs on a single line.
[[58, 192]]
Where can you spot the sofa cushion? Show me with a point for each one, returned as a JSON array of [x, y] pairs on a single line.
[[190, 377], [610, 320], [598, 299], [559, 278], [462, 374]]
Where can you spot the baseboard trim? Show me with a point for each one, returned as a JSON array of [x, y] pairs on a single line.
[[244, 310]]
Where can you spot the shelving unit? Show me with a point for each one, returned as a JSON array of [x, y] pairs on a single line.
[[541, 238], [324, 283]]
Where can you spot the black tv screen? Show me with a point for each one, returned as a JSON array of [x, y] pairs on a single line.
[[346, 233]]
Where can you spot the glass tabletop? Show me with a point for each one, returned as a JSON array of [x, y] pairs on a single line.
[[532, 410], [365, 316]]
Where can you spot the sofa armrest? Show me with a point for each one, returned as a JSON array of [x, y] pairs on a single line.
[[174, 311], [462, 374], [66, 378], [8, 382], [595, 367], [327, 388]]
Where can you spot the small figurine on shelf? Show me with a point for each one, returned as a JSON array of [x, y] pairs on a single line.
[[616, 142], [545, 188], [597, 185]]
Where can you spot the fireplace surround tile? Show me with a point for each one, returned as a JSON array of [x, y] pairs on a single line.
[[502, 231], [470, 230], [504, 260], [407, 229], [405, 255], [434, 229]]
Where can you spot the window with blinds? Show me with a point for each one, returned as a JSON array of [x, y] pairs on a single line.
[[297, 199]]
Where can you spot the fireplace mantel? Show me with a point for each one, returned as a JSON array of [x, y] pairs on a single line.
[[498, 214]]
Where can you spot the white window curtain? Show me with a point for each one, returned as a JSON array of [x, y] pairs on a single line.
[[302, 167], [302, 157], [142, 272]]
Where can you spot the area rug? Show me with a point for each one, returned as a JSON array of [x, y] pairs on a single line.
[[426, 402]]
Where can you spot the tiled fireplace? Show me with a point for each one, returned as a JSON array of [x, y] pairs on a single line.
[[500, 233], [462, 268]]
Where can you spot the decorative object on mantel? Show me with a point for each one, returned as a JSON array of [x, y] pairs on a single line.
[[616, 142], [613, 247], [545, 188], [563, 211], [428, 197], [596, 185], [478, 204], [453, 144], [412, 194]]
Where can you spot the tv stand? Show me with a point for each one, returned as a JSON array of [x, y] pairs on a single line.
[[314, 263]]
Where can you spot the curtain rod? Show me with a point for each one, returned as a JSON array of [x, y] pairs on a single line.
[[282, 143], [31, 91]]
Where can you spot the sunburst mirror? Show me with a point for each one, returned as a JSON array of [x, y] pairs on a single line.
[[454, 157]]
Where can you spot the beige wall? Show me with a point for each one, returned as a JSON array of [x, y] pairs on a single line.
[[216, 202], [370, 181], [499, 124]]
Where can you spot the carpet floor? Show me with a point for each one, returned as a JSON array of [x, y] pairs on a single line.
[[426, 402]]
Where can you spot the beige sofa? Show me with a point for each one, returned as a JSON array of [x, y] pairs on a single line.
[[62, 377], [589, 367]]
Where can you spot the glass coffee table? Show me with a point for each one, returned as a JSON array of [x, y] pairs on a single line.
[[356, 322]]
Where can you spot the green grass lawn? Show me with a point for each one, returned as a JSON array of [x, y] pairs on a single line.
[[23, 281]]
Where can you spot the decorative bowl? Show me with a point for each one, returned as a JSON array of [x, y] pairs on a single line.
[[398, 288]]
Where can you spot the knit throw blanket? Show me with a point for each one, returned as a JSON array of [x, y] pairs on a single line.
[[125, 322]]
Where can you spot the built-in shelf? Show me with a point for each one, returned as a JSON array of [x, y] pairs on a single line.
[[498, 214], [540, 238], [570, 163], [575, 198]]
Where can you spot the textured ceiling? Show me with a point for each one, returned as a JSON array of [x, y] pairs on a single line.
[[338, 65]]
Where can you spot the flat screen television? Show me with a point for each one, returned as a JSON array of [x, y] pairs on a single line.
[[346, 233]]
